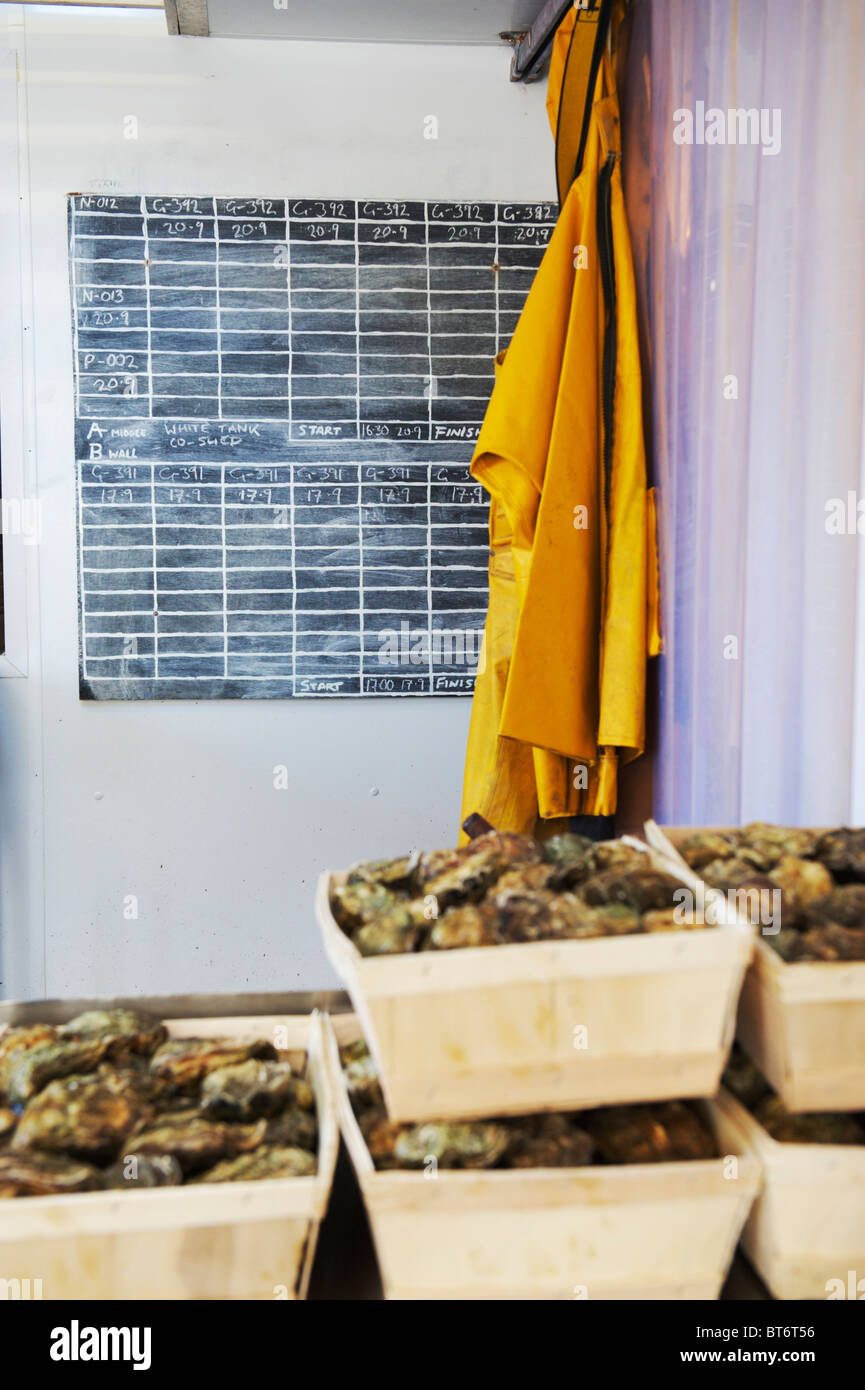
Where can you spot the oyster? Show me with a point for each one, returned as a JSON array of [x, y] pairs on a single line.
[[358, 900], [659, 1133], [549, 1141], [269, 1161], [195, 1142], [640, 889], [480, 863], [41, 1175], [125, 1030], [464, 926], [842, 852], [136, 1170], [612, 854], [844, 905], [801, 881], [393, 873], [294, 1128], [16, 1040], [705, 847], [360, 1075], [380, 1135], [569, 918], [734, 873], [387, 937], [476, 1145], [570, 857], [765, 844], [831, 943], [610, 919], [821, 1128], [247, 1090], [182, 1063], [25, 1072], [85, 1116]]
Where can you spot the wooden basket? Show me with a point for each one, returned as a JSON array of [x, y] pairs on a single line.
[[807, 1227], [804, 1023], [639, 1231], [238, 1240], [496, 1030]]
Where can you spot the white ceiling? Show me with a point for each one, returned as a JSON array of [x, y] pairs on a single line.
[[379, 21]]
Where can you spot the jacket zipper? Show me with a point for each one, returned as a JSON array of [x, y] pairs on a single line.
[[608, 280]]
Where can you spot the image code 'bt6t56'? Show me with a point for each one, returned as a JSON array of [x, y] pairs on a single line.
[[276, 405]]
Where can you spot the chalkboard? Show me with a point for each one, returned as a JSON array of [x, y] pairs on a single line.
[[276, 402]]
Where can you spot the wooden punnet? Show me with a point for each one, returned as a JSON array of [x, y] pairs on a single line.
[[803, 1023], [639, 1231], [238, 1240], [807, 1227], [546, 1025]]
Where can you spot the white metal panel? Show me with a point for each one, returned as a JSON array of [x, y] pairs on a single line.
[[173, 804]]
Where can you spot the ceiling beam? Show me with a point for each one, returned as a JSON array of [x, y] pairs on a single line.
[[532, 49]]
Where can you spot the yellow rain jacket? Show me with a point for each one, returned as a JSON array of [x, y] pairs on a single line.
[[560, 691]]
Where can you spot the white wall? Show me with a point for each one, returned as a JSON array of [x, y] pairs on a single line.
[[174, 802]]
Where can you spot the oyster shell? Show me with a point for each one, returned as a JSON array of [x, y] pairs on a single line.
[[269, 1161], [640, 889], [660, 1133], [360, 1075], [470, 925], [801, 881], [41, 1175], [570, 857], [705, 847], [387, 938], [247, 1090], [549, 1141], [8, 1121], [86, 1117], [844, 905], [478, 866], [294, 1128], [195, 1142], [183, 1063], [393, 873], [359, 900], [472, 1145], [25, 1072], [830, 943], [124, 1030], [380, 1135], [842, 852], [612, 854], [764, 844], [824, 1128]]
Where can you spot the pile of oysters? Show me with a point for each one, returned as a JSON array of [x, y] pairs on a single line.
[[505, 888], [749, 1086], [108, 1100], [663, 1132], [820, 876]]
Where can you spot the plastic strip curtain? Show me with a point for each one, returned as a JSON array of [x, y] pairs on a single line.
[[754, 292]]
